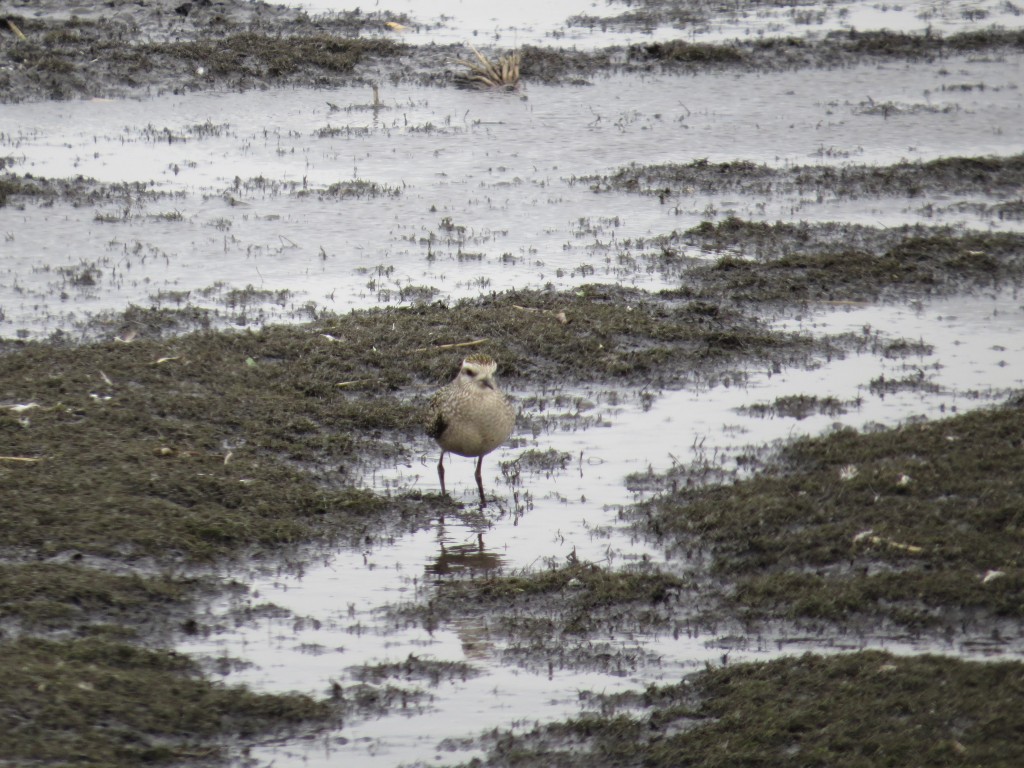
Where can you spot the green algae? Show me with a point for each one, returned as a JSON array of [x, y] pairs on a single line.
[[988, 175], [799, 263], [101, 702], [127, 465], [920, 526], [191, 450], [48, 596], [849, 710]]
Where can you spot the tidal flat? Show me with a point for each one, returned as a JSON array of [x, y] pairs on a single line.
[[752, 280]]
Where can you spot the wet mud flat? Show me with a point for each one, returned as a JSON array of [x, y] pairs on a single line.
[[144, 468], [810, 710], [139, 468], [906, 533], [149, 468], [168, 46]]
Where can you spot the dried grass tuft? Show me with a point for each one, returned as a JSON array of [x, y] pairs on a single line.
[[484, 73]]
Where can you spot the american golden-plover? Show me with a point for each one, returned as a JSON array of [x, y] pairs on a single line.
[[470, 416]]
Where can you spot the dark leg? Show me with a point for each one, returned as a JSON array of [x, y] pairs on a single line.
[[480, 481], [440, 472]]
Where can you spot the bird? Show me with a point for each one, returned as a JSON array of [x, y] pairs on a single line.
[[470, 416]]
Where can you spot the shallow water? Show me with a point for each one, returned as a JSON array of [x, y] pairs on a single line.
[[557, 22], [474, 192]]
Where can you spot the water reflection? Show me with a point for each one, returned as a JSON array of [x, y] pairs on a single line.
[[463, 559]]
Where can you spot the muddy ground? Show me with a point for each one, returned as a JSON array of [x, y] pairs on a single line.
[[139, 468], [124, 48]]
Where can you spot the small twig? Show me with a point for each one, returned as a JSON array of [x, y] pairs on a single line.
[[19, 458], [487, 67], [17, 32], [475, 343], [19, 407], [355, 381], [558, 314]]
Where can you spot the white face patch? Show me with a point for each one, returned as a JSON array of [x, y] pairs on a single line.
[[480, 374]]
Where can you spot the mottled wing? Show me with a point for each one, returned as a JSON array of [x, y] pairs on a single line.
[[436, 423], [436, 428]]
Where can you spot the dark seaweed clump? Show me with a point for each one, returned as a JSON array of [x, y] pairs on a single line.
[[918, 526], [849, 710]]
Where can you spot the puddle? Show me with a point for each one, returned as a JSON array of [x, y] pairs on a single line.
[[545, 517], [445, 193]]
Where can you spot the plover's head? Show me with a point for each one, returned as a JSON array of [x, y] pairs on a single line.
[[478, 370]]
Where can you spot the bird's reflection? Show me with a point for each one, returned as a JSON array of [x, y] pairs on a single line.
[[475, 638], [464, 559]]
